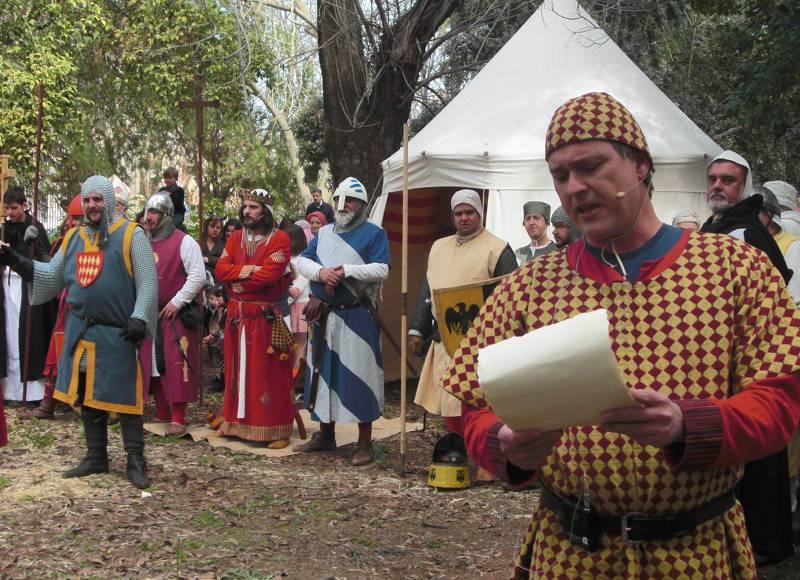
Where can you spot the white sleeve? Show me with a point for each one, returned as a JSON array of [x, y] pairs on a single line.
[[374, 272], [301, 282], [192, 258], [793, 261], [308, 268]]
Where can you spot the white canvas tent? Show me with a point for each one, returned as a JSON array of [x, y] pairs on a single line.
[[490, 137]]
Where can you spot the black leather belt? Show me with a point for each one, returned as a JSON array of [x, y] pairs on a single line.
[[342, 306], [88, 322], [636, 527]]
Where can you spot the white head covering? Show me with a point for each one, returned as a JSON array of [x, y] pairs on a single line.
[[121, 191], [734, 157], [686, 216], [468, 196], [785, 192]]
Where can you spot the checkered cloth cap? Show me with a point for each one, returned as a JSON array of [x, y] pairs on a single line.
[[593, 116]]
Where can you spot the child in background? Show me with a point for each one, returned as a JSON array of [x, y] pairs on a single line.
[[215, 295], [298, 298]]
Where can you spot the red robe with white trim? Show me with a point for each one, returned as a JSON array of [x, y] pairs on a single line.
[[258, 403]]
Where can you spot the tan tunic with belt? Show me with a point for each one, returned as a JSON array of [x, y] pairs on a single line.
[[449, 265]]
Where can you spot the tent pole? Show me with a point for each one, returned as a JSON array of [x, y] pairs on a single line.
[[404, 307]]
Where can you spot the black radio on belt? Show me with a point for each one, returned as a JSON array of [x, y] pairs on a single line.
[[579, 520], [269, 315], [584, 527]]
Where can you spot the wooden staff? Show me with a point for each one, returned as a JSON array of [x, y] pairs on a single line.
[[36, 178], [404, 307]]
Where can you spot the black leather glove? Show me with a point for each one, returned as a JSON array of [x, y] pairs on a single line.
[[135, 331], [22, 265]]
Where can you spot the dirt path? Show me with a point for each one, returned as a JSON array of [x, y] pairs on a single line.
[[220, 514], [215, 513]]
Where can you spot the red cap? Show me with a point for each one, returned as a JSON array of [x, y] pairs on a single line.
[[75, 207]]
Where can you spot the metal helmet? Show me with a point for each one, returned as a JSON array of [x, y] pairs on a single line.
[[160, 202], [450, 467], [350, 187]]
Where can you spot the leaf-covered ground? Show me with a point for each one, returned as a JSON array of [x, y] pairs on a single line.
[[215, 513]]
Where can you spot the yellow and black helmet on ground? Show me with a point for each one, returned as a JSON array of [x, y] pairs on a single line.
[[450, 468]]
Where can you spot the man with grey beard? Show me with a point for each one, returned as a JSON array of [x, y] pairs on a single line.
[[346, 264], [764, 489]]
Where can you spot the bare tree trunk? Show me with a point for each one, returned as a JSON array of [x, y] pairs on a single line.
[[367, 98], [288, 137]]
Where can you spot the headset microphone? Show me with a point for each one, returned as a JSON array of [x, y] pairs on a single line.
[[621, 194]]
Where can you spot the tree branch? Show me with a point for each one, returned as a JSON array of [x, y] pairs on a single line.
[[298, 8], [443, 73], [265, 96]]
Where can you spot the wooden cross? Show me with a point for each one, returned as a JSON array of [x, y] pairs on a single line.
[[199, 106], [6, 173]]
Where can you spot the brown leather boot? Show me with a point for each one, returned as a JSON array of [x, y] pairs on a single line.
[[45, 410], [364, 454], [175, 429], [320, 441]]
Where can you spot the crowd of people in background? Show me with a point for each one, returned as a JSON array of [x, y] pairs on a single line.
[[285, 310]]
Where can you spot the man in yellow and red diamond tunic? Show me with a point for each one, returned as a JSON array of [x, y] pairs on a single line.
[[707, 339], [258, 403]]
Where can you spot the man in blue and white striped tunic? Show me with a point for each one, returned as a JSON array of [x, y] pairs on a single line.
[[346, 263]]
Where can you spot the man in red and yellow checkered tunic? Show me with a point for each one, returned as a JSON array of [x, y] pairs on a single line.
[[707, 339]]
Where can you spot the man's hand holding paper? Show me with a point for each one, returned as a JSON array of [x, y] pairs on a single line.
[[527, 449], [656, 421], [563, 375]]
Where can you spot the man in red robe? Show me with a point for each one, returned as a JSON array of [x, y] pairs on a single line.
[[258, 367]]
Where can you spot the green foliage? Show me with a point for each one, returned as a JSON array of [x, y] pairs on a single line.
[[308, 128], [731, 66], [44, 41], [207, 519], [381, 453], [733, 71], [116, 73]]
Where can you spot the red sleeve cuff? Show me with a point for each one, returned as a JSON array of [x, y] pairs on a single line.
[[702, 443], [515, 476]]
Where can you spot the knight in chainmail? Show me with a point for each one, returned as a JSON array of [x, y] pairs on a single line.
[[346, 264], [564, 230], [170, 362], [108, 270]]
